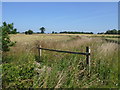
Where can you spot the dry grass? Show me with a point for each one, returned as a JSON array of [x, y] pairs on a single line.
[[67, 70], [108, 48]]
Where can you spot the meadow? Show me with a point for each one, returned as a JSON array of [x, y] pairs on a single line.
[[22, 67]]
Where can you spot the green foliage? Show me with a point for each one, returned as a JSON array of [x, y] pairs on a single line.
[[17, 76], [14, 31], [42, 29], [53, 32], [29, 32], [100, 33], [62, 70], [68, 32], [9, 28], [6, 30], [67, 70], [114, 31]]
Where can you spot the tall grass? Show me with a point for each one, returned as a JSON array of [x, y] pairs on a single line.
[[60, 70]]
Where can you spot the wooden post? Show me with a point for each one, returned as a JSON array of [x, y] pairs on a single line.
[[88, 57], [39, 51]]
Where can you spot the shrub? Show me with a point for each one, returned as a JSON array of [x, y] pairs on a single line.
[[6, 29], [17, 76], [29, 32]]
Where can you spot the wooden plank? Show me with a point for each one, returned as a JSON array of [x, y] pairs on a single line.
[[64, 51]]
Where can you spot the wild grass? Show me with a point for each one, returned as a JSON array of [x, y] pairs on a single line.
[[60, 70]]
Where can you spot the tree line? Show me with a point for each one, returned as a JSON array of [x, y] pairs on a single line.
[[11, 30], [114, 31], [70, 32]]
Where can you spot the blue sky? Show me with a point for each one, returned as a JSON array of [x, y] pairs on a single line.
[[61, 16]]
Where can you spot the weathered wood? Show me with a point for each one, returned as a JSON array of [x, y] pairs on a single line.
[[39, 51], [87, 55], [88, 58], [64, 51]]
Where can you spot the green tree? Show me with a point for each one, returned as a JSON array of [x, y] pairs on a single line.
[[6, 42], [26, 32], [14, 31], [53, 32], [29, 32], [42, 29], [118, 31], [114, 31], [10, 28]]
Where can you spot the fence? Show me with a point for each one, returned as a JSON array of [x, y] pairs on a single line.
[[87, 53]]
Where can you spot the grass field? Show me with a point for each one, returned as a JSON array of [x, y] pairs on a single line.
[[114, 39], [23, 68]]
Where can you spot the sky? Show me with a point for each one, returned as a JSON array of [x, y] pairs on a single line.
[[61, 16], [60, 0]]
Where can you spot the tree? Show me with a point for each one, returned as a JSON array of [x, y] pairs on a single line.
[[72, 32], [114, 31], [118, 31], [42, 29], [14, 31], [10, 28], [100, 33], [53, 32], [29, 32], [6, 42], [26, 32]]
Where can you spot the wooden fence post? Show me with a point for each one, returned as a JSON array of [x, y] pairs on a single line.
[[88, 57], [39, 51]]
